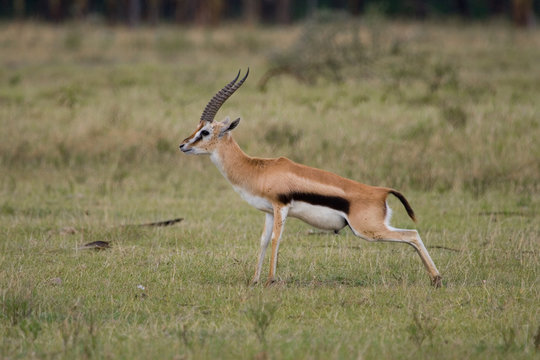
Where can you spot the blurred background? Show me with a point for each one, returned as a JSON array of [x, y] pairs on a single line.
[[437, 98], [421, 94], [214, 12]]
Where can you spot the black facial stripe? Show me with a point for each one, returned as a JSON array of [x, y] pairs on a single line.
[[197, 139], [334, 202]]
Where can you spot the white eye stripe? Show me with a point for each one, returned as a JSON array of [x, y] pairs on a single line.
[[202, 133], [199, 136]]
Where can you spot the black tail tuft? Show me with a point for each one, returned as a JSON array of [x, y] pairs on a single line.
[[405, 203]]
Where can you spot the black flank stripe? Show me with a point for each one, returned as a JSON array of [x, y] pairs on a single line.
[[334, 202]]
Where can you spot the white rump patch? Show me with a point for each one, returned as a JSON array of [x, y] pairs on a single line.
[[388, 217]]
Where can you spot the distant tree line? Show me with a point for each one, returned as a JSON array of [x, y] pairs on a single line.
[[212, 12]]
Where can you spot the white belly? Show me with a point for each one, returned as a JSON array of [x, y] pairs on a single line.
[[257, 202], [321, 217]]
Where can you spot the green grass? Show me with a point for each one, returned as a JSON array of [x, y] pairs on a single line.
[[90, 122]]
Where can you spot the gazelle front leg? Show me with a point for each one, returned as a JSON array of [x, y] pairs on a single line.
[[280, 215], [265, 240]]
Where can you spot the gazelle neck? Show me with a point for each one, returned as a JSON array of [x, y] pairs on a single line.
[[231, 161]]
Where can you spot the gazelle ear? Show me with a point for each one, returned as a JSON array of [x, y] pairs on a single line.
[[228, 127]]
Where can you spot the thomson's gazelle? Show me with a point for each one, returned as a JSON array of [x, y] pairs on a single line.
[[280, 188]]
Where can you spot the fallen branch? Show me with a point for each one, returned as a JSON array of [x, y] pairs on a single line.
[[160, 223], [101, 245], [95, 245]]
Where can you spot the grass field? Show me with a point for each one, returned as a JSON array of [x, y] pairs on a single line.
[[91, 119]]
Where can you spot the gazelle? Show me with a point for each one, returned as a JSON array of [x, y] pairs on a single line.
[[281, 188]]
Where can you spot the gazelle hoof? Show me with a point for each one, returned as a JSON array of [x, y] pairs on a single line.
[[437, 281]]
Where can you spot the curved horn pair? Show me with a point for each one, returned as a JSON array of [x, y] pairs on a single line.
[[215, 103]]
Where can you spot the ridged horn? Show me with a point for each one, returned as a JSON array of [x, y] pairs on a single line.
[[215, 103]]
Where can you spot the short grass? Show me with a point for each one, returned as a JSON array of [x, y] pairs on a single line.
[[90, 121]]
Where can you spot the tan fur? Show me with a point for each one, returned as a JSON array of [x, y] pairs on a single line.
[[281, 188], [268, 178]]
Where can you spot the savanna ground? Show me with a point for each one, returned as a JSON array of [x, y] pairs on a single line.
[[91, 118]]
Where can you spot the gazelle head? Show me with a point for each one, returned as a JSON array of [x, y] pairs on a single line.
[[209, 132]]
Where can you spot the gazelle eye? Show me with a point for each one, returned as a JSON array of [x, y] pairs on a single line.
[[205, 133]]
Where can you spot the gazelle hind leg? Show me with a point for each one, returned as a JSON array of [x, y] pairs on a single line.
[[265, 240], [412, 238], [380, 230]]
